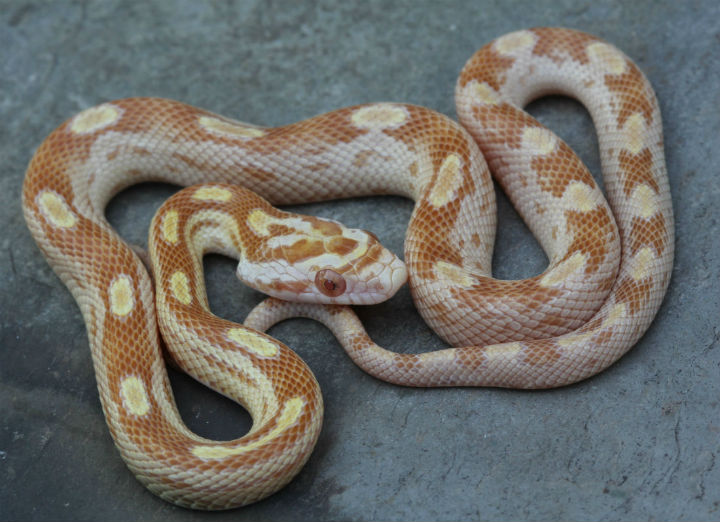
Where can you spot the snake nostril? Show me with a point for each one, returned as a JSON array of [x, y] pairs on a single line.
[[330, 283]]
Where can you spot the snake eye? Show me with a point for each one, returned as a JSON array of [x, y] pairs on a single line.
[[330, 283]]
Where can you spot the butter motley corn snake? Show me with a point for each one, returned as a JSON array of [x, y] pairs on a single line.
[[610, 262]]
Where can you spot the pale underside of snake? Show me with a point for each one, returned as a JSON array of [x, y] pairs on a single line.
[[610, 263]]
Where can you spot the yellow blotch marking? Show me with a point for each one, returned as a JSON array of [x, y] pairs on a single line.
[[252, 342], [56, 210], [644, 201], [180, 286], [582, 197], [448, 181], [122, 299], [134, 396], [641, 264], [539, 141], [514, 42], [170, 226], [564, 270], [229, 128], [95, 118], [634, 131], [485, 94], [295, 243], [574, 339], [379, 116], [212, 194], [504, 350], [290, 414], [454, 273], [616, 313], [259, 220], [611, 59]]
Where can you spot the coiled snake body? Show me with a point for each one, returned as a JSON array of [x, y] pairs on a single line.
[[609, 266]]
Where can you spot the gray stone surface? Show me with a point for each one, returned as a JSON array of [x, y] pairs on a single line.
[[639, 441]]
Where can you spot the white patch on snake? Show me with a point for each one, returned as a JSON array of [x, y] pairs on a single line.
[[95, 118], [284, 240], [607, 57], [55, 209], [634, 131], [453, 273], [483, 93], [212, 194], [215, 230], [324, 260], [259, 222], [134, 396], [180, 286], [502, 351], [574, 340], [644, 201], [170, 226], [380, 116], [641, 264], [122, 298], [539, 141], [303, 230], [290, 414], [581, 197], [449, 180], [616, 313], [228, 128], [517, 41], [561, 272], [252, 342]]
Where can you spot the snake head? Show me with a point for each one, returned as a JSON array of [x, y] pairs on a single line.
[[313, 260]]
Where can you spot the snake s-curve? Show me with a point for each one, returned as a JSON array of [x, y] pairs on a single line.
[[610, 264]]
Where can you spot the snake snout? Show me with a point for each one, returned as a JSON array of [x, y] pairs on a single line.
[[383, 285], [398, 276]]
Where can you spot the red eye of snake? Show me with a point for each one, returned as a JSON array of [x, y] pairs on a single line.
[[330, 282]]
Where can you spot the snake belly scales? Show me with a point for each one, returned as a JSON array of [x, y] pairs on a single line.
[[609, 262]]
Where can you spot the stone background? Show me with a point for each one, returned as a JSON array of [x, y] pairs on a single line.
[[639, 441]]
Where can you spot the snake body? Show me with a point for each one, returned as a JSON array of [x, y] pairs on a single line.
[[610, 263]]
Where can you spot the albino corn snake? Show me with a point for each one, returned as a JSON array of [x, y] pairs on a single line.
[[610, 264]]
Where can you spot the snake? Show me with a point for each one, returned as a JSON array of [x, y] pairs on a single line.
[[609, 256]]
